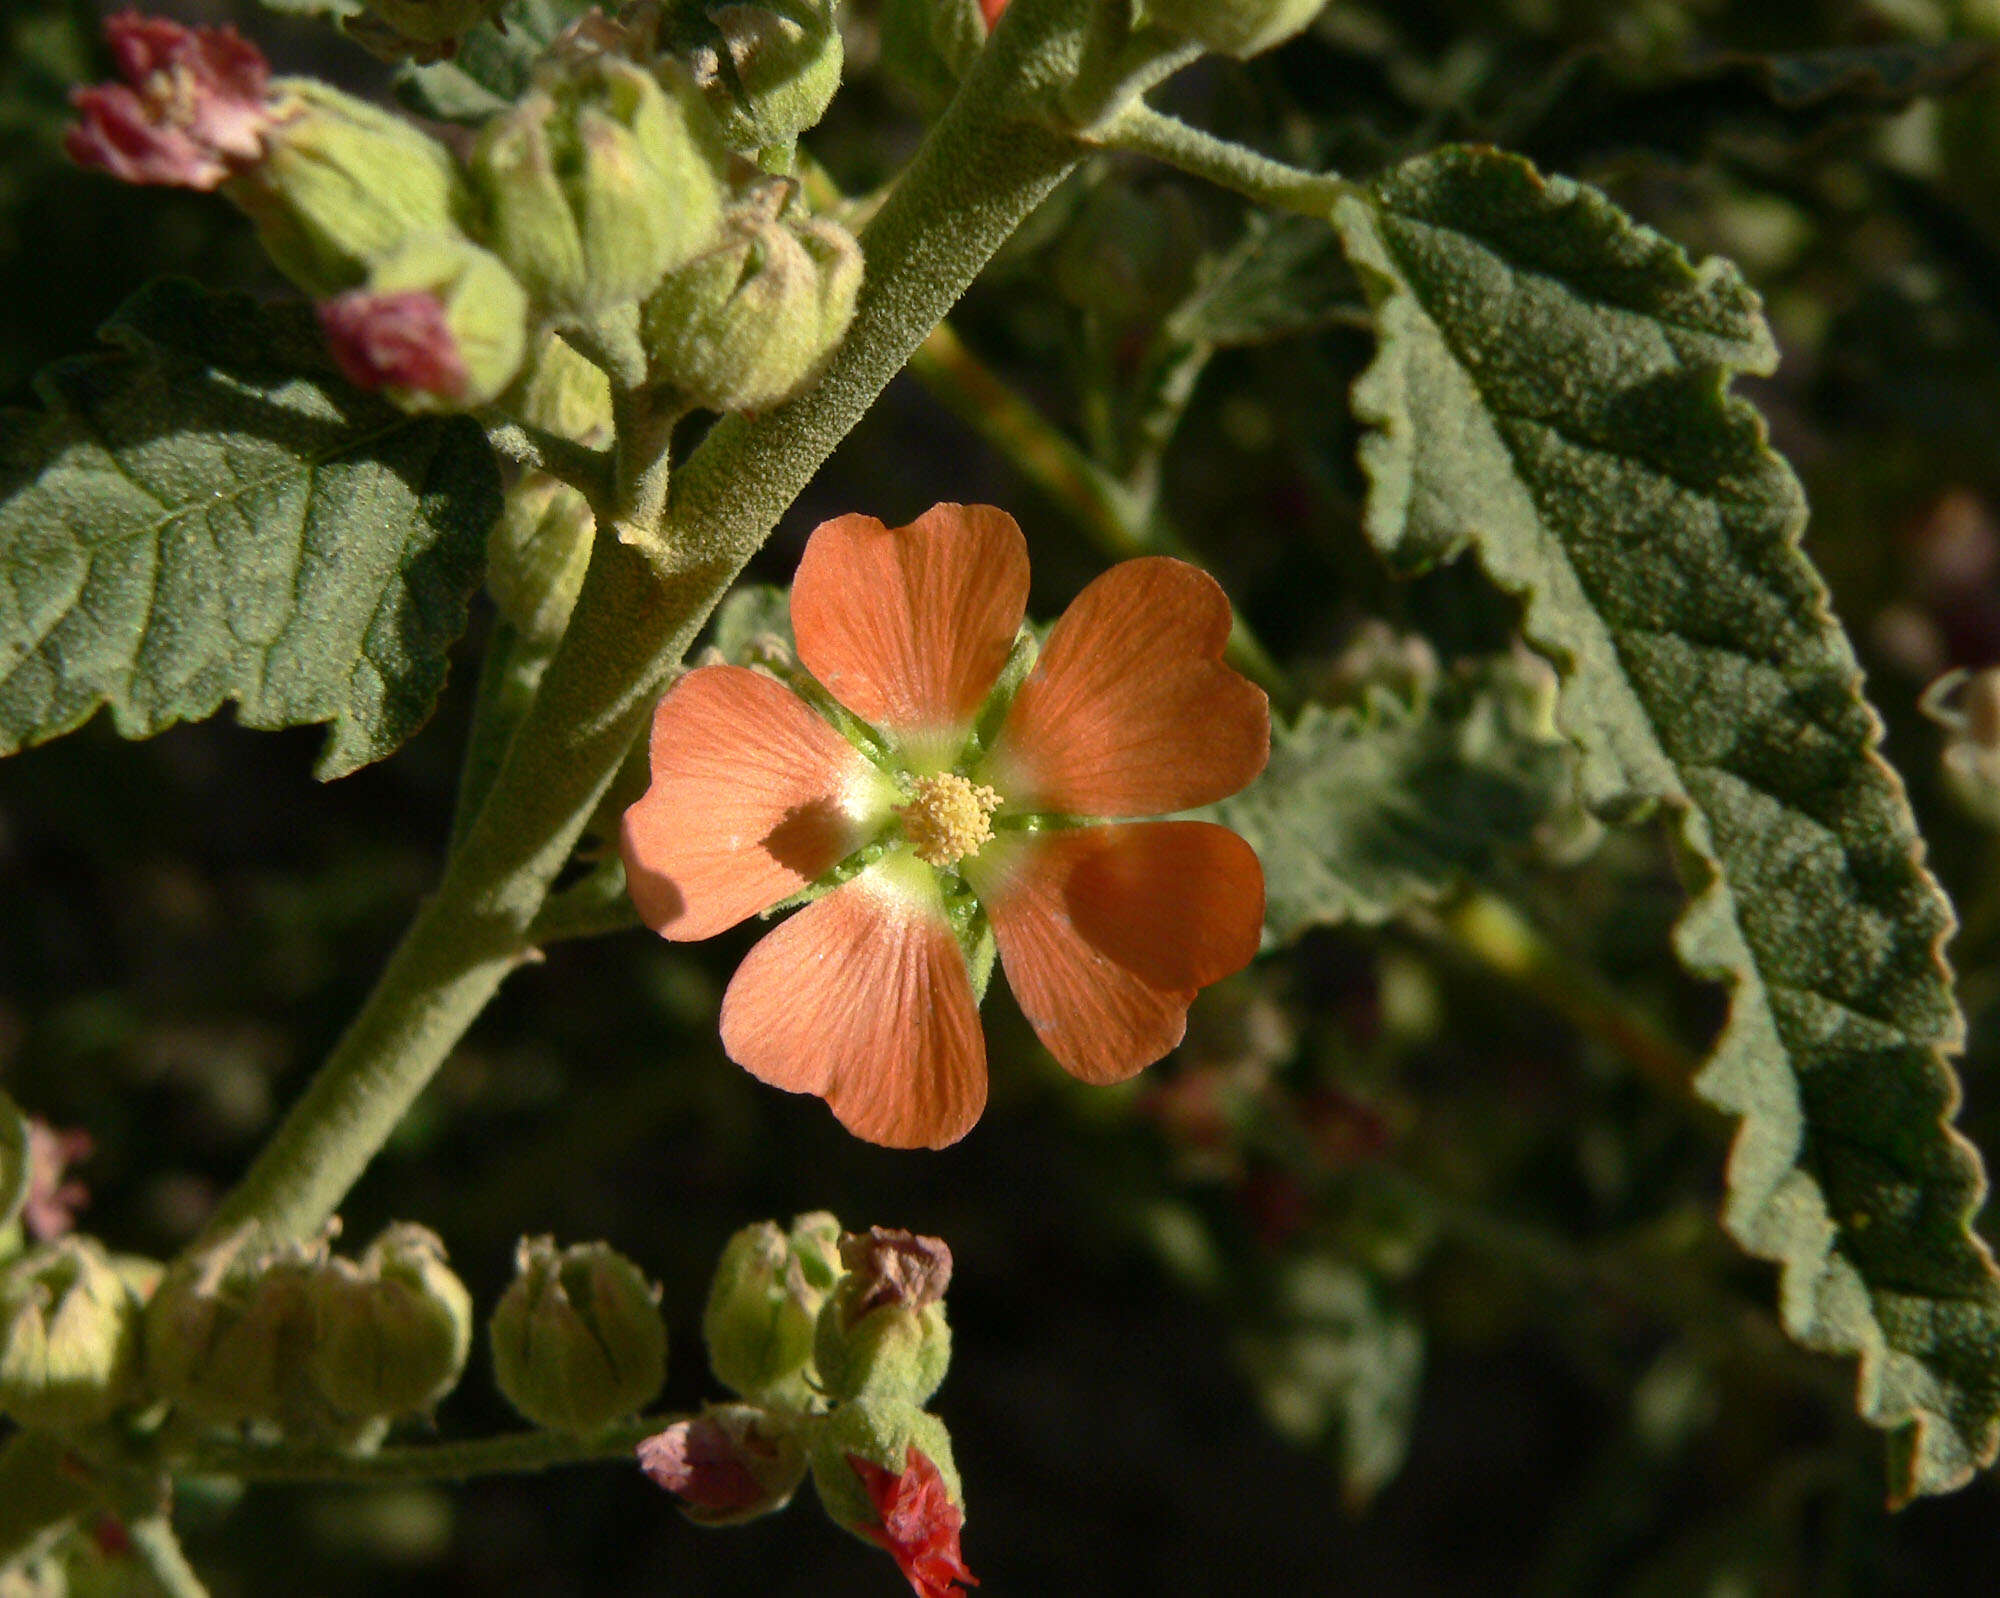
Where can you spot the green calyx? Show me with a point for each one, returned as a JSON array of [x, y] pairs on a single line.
[[485, 312], [344, 184], [882, 1430], [69, 1336], [763, 1303], [600, 181], [768, 70], [751, 322], [577, 1339], [390, 1332]]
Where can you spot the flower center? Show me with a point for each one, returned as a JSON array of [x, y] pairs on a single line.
[[948, 818]]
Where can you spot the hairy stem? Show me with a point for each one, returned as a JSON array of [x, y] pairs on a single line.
[[512, 1454], [986, 164], [1140, 130]]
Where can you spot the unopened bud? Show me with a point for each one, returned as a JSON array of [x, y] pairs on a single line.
[[1239, 28], [601, 181], [564, 393], [751, 322], [577, 1339], [928, 45], [193, 108], [537, 554], [228, 1327], [729, 1464], [763, 1303], [69, 1336], [344, 184], [440, 325], [390, 1331], [883, 1331], [769, 70], [881, 1431], [416, 30]]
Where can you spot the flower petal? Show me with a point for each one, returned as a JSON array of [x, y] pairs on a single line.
[[1106, 933], [753, 797], [863, 998], [908, 627], [1130, 711]]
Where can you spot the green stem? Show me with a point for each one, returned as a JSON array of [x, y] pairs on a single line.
[[1103, 509], [515, 1453], [156, 1547], [1140, 130], [986, 164], [587, 470]]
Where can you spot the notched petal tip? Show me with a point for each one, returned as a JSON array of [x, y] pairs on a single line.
[[753, 798], [863, 998], [1130, 710], [909, 627]]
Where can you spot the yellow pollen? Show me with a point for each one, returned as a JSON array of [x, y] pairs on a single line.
[[948, 818]]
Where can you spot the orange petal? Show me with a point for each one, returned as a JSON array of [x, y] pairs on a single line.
[[909, 626], [753, 797], [863, 998], [1106, 933], [1130, 711]]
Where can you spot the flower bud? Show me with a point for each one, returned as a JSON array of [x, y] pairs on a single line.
[[564, 393], [768, 70], [440, 325], [390, 1331], [577, 1339], [415, 30], [69, 1336], [882, 1432], [731, 1463], [928, 45], [193, 108], [1239, 28], [537, 554], [228, 1327], [883, 1332], [600, 182], [749, 323], [343, 184], [762, 1304]]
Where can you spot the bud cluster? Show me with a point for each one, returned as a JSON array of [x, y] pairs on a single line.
[[832, 1342], [604, 207], [578, 1342]]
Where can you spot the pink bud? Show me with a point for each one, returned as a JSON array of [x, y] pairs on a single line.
[[52, 1203], [396, 340], [191, 111], [990, 10], [727, 1464]]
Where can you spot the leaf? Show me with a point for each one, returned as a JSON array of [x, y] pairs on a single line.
[[1283, 278], [204, 512], [1551, 388], [1335, 1360], [490, 71], [1597, 107], [1365, 812]]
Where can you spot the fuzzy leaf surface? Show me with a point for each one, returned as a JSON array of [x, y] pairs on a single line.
[[1366, 811], [1551, 388], [204, 512]]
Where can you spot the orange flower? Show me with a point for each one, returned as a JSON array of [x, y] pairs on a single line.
[[961, 817]]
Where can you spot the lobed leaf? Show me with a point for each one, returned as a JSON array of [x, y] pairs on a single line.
[[204, 512], [1551, 388], [1364, 812]]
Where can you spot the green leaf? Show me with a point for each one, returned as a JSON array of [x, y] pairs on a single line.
[[1364, 812], [1598, 107], [490, 71], [1334, 1360], [1284, 277], [203, 512], [14, 1172], [1551, 388]]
